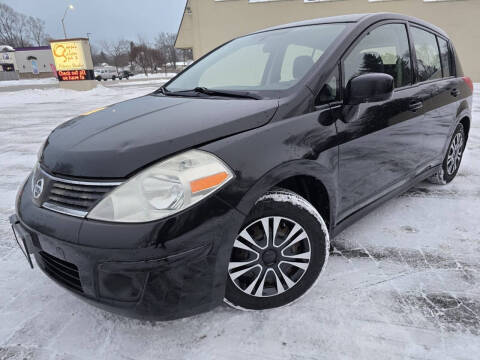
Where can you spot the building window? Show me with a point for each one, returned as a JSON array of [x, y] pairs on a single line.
[[313, 1], [382, 0]]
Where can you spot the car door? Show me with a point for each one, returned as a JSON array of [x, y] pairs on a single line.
[[438, 91], [380, 146]]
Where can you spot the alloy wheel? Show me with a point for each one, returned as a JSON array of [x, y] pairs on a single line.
[[269, 256], [455, 153]]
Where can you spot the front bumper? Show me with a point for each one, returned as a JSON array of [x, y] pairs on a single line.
[[163, 270]]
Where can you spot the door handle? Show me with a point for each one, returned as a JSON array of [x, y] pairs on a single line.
[[455, 92], [415, 106]]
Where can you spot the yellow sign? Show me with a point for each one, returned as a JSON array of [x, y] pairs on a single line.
[[68, 55]]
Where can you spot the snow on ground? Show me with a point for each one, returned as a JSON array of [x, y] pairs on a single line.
[[158, 75], [23, 82], [52, 81], [403, 281]]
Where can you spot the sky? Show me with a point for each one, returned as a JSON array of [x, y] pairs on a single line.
[[105, 19]]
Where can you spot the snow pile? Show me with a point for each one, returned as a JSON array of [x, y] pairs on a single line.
[[28, 82], [159, 75]]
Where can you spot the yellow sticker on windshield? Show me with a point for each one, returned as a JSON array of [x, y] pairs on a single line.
[[93, 111]]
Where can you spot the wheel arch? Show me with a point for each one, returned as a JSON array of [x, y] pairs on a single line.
[[307, 178], [463, 117], [465, 121]]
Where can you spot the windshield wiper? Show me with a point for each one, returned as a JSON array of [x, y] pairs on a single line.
[[230, 93], [212, 92]]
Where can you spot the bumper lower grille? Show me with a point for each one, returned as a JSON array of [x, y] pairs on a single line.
[[62, 271]]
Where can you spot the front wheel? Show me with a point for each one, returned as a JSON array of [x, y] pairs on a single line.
[[453, 158], [279, 253]]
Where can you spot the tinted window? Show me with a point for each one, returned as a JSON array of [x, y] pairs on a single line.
[[384, 50], [428, 56], [268, 60], [445, 57]]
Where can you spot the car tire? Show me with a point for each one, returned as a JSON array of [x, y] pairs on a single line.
[[453, 158], [271, 268]]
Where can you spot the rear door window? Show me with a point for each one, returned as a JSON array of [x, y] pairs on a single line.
[[428, 55], [385, 50], [446, 57]]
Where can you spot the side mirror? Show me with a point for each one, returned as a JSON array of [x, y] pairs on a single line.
[[369, 87]]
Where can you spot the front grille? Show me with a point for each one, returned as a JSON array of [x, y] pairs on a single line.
[[62, 271], [74, 196]]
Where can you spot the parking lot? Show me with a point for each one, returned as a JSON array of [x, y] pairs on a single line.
[[402, 283]]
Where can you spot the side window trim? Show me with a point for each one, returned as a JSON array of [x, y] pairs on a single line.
[[453, 56], [440, 57], [339, 89]]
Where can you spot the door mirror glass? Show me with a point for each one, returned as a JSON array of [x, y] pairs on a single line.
[[370, 87]]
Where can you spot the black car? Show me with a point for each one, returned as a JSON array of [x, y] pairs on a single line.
[[228, 182], [125, 74]]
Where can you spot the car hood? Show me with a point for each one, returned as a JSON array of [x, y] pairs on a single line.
[[122, 138]]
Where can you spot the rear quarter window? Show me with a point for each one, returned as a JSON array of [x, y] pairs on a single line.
[[446, 58]]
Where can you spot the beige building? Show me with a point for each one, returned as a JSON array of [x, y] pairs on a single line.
[[209, 23]]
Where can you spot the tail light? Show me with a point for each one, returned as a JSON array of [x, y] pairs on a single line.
[[469, 82]]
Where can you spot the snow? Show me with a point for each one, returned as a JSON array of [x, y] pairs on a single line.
[[6, 48], [160, 76], [23, 82], [403, 282]]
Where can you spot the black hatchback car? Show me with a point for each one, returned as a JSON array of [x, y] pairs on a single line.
[[227, 183]]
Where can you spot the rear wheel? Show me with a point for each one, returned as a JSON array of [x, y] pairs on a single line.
[[453, 158], [279, 253]]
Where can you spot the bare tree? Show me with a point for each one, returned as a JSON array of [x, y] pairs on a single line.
[[139, 55], [165, 42], [8, 25], [18, 30], [36, 29], [117, 51]]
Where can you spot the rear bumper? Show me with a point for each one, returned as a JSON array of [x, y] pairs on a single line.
[[158, 271]]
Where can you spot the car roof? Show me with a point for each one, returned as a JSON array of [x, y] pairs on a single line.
[[369, 18]]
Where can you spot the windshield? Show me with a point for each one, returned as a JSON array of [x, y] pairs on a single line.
[[272, 60]]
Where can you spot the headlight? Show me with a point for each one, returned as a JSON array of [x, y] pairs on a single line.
[[164, 189]]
